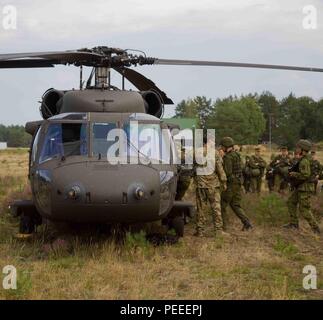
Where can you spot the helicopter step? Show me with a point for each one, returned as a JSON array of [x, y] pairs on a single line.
[[28, 214]]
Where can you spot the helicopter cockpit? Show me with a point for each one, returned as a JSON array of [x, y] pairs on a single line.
[[90, 135]]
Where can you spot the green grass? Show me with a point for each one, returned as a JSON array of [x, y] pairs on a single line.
[[265, 263]]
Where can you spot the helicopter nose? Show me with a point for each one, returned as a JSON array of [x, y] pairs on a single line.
[[108, 193]]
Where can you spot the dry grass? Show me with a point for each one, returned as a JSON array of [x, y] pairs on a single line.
[[266, 263]]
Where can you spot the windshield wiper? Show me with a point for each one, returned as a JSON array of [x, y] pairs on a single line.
[[130, 144]]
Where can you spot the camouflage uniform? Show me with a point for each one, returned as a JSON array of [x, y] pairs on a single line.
[[270, 175], [257, 167], [279, 167], [316, 168], [232, 195], [184, 179], [301, 196], [247, 176], [208, 191]]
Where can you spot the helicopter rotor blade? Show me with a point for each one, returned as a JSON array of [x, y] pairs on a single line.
[[142, 83], [26, 63], [48, 59], [232, 64]]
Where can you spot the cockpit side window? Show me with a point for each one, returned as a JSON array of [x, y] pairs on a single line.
[[64, 139], [35, 148]]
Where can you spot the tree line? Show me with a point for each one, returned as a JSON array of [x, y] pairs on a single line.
[[254, 118], [15, 136]]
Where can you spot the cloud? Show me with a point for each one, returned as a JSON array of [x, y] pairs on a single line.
[[260, 31]]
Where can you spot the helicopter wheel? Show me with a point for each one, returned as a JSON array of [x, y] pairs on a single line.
[[177, 223], [27, 224]]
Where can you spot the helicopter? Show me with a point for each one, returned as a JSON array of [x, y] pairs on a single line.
[[70, 178]]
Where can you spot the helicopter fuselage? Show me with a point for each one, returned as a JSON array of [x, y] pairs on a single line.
[[73, 180]]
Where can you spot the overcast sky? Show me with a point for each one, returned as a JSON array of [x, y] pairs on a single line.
[[259, 31]]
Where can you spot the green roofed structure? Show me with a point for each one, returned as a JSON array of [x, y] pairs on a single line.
[[183, 123]]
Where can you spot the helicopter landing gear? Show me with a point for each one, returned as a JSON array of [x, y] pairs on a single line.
[[29, 217], [180, 214], [177, 223]]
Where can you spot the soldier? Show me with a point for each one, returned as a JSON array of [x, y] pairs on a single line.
[[270, 175], [279, 167], [208, 189], [316, 170], [257, 167], [232, 195], [303, 188], [247, 176], [185, 176], [294, 162]]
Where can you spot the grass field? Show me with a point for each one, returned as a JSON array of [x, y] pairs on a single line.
[[265, 263]]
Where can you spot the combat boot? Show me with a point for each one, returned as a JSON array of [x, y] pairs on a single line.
[[247, 226], [316, 230], [291, 226]]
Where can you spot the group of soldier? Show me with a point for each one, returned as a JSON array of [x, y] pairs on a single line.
[[223, 188]]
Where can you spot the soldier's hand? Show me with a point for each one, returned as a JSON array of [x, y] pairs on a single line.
[[224, 187], [292, 174]]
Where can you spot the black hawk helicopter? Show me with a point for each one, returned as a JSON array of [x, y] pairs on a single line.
[[70, 178]]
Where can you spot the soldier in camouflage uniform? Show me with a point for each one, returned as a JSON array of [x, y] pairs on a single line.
[[232, 195], [208, 189], [317, 170], [301, 178], [279, 167], [247, 176], [185, 176], [257, 167], [270, 175]]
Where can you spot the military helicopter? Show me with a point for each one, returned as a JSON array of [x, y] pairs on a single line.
[[70, 179]]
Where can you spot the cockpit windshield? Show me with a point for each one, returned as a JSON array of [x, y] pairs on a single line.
[[101, 143], [150, 141], [64, 139]]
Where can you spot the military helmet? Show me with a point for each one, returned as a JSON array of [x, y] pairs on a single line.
[[257, 148], [304, 145], [227, 142], [283, 148]]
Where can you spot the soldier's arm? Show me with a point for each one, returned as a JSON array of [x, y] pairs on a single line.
[[304, 171], [252, 163], [262, 163], [220, 171]]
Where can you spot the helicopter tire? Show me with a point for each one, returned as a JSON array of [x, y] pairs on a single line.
[[177, 223], [27, 224]]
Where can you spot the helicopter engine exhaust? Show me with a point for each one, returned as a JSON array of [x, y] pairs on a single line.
[[50, 105], [153, 103]]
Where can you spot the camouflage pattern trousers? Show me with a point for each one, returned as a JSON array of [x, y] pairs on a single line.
[[302, 200], [256, 183], [211, 196], [232, 197], [280, 184]]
